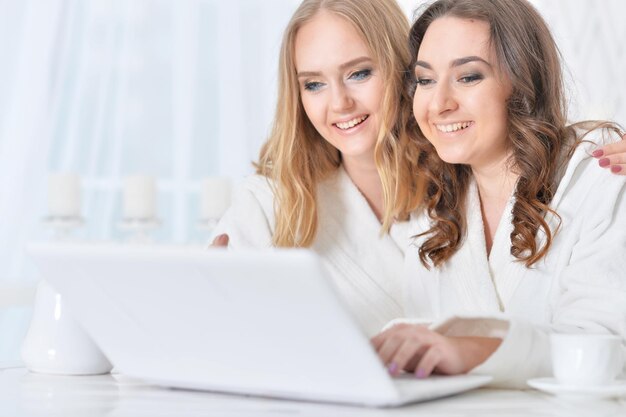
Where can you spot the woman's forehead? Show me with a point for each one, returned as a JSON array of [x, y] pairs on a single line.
[[450, 38]]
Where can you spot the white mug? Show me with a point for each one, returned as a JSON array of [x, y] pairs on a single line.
[[56, 343], [586, 359]]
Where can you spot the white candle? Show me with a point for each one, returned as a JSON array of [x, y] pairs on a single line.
[[215, 197], [63, 195], [139, 197]]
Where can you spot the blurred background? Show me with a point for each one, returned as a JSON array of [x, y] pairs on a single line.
[[180, 90]]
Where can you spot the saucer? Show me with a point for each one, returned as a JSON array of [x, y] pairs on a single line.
[[614, 389]]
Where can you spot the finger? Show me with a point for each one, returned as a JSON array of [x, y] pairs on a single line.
[[409, 354], [616, 164], [430, 359], [615, 159], [619, 169], [412, 364], [220, 241], [611, 149], [378, 340], [388, 350]]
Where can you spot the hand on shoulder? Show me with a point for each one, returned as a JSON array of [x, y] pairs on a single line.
[[613, 156]]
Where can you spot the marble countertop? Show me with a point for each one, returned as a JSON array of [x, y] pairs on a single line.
[[27, 394]]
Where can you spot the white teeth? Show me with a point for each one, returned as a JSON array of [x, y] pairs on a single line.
[[350, 123], [453, 127]]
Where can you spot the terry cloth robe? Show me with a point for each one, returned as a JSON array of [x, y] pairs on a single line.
[[580, 286], [366, 267]]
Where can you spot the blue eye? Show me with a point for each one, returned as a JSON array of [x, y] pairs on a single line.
[[312, 86], [361, 75], [468, 79]]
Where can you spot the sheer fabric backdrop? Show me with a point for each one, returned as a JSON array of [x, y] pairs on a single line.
[[180, 90]]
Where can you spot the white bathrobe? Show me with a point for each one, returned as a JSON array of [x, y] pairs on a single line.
[[367, 268], [580, 286]]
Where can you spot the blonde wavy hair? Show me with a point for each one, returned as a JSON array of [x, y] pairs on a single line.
[[296, 157]]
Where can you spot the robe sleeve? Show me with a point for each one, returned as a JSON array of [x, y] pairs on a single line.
[[249, 221]]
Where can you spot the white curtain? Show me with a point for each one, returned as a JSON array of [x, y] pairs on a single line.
[[178, 90], [591, 36], [175, 89]]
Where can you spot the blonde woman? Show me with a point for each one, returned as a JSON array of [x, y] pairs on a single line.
[[318, 182]]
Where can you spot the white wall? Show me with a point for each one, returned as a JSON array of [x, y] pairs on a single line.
[[591, 35]]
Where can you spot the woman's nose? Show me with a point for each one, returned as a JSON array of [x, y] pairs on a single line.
[[341, 99], [442, 99]]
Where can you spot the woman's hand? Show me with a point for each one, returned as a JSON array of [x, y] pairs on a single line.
[[613, 156], [415, 348], [220, 241]]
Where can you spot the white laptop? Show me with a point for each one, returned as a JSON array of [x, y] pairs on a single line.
[[262, 323]]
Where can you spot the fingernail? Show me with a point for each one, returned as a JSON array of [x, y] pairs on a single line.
[[598, 153], [420, 374], [393, 368], [605, 162], [616, 168]]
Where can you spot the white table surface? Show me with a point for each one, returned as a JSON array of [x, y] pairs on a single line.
[[26, 394]]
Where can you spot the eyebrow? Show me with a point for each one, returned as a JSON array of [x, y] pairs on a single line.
[[456, 63], [342, 67]]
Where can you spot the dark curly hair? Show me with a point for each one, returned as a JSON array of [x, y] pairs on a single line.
[[539, 138]]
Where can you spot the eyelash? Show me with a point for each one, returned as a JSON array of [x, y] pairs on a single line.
[[312, 86], [467, 79], [361, 74], [356, 75], [423, 82]]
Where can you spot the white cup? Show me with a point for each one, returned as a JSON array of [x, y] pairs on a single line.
[[586, 359]]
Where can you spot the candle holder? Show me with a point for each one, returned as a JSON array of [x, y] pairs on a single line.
[[62, 226], [139, 229]]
